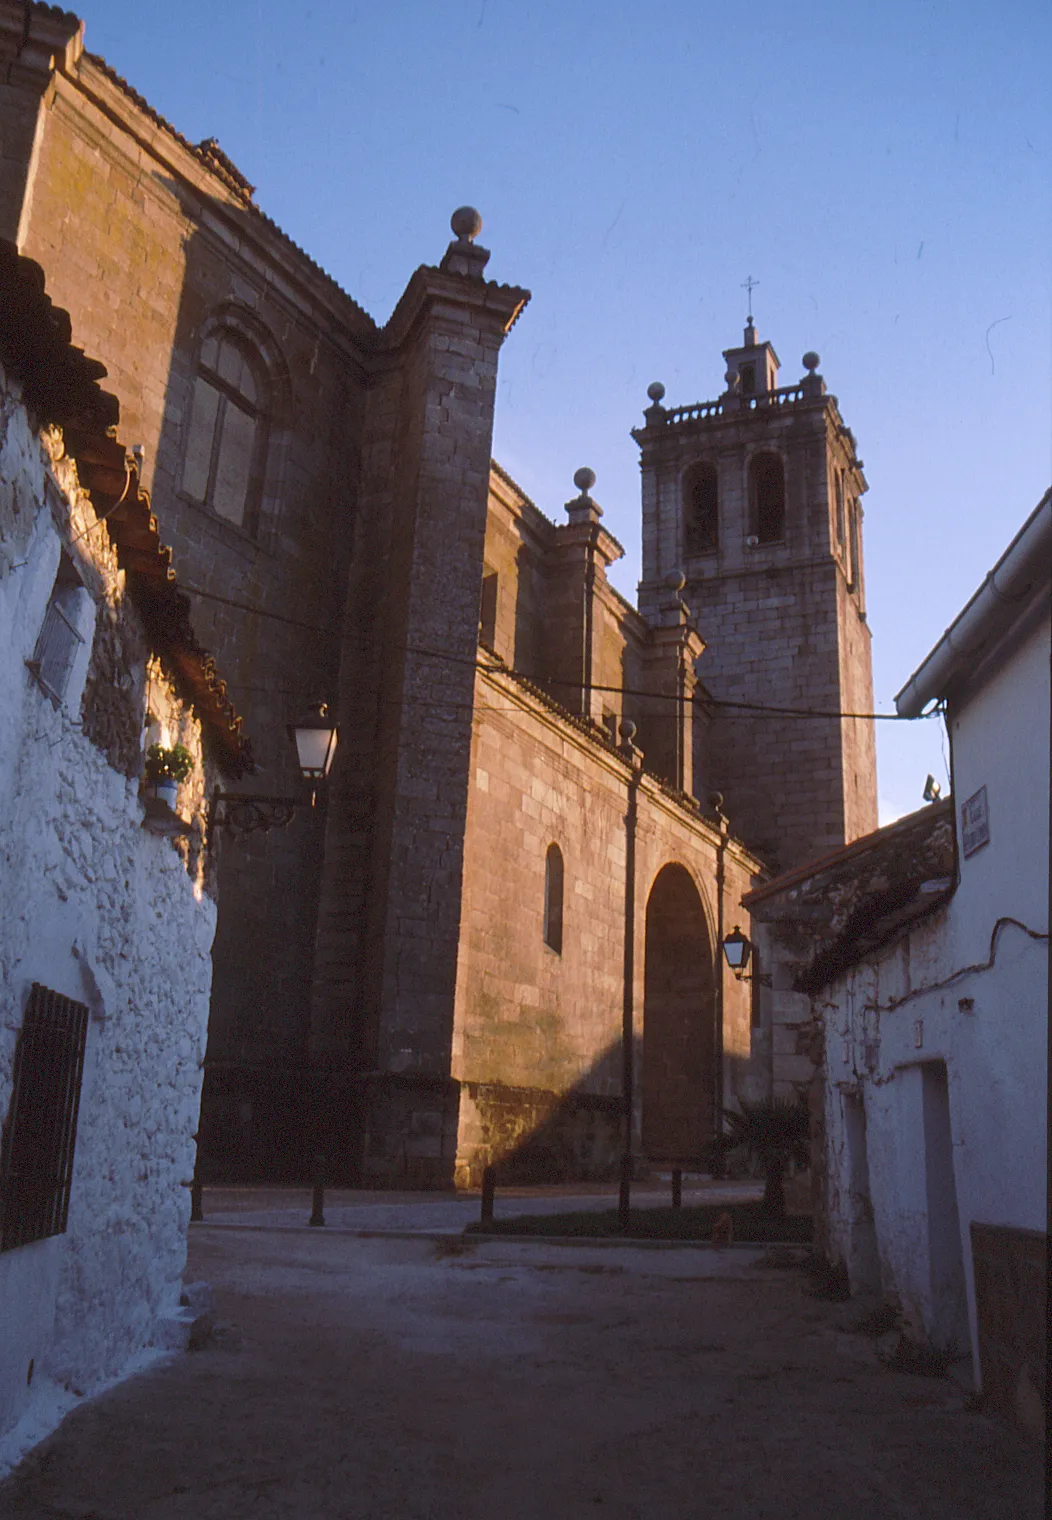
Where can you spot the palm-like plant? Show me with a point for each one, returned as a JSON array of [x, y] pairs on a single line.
[[777, 1131]]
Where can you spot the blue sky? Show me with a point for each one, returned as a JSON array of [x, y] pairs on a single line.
[[883, 171]]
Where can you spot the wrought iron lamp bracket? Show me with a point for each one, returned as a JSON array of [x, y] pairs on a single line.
[[249, 812], [763, 977]]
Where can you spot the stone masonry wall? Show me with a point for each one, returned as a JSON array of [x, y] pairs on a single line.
[[782, 625], [143, 245], [390, 903], [773, 640], [537, 1045], [96, 908]]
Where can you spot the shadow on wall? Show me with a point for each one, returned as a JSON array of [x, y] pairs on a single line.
[[534, 1137], [258, 424]]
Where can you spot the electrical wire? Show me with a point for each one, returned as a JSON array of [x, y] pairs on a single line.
[[956, 976], [109, 510], [497, 667]]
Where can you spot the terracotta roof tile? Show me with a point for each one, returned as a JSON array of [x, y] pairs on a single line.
[[60, 385]]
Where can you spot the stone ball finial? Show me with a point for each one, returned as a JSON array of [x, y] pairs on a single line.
[[627, 730], [716, 801], [466, 223], [656, 391], [675, 580], [811, 361], [584, 479]]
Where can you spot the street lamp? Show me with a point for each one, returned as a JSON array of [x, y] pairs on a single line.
[[315, 736], [737, 947]]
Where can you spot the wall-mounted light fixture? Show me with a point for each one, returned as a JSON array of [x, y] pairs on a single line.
[[315, 736], [737, 948]]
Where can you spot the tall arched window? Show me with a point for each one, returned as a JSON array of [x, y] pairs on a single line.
[[553, 899], [767, 498], [701, 509], [227, 438]]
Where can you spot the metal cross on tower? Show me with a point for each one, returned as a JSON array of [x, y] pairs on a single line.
[[750, 285]]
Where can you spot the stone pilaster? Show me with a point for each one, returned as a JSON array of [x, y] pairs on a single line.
[[389, 919], [578, 560], [669, 657], [34, 41]]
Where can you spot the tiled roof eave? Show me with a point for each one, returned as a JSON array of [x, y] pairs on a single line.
[[60, 386]]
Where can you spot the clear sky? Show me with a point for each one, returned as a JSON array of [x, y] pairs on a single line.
[[882, 170]]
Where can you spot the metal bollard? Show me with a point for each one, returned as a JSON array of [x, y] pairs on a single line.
[[677, 1188], [624, 1196], [489, 1188], [196, 1213], [317, 1217]]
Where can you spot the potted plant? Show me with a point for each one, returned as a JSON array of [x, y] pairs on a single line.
[[165, 769]]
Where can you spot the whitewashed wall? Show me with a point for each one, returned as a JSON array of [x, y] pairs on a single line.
[[92, 906], [890, 1021]]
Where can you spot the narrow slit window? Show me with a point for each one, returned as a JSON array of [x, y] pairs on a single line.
[[488, 609], [40, 1131], [767, 498], [553, 899], [854, 574], [701, 509]]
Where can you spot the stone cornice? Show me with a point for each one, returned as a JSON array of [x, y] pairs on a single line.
[[490, 303], [590, 740]]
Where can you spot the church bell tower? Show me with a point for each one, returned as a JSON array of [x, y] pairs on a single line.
[[756, 498]]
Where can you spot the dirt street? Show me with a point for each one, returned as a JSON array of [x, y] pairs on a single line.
[[424, 1380]]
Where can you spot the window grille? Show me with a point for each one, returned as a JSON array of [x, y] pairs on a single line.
[[56, 648], [36, 1151]]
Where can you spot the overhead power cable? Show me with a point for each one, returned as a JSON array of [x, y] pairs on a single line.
[[494, 666]]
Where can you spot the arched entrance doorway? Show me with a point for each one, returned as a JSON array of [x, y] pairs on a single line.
[[678, 1022]]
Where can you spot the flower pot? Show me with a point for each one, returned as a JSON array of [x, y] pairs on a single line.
[[165, 789]]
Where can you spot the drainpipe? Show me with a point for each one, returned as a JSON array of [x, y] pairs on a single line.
[[717, 1085], [634, 757]]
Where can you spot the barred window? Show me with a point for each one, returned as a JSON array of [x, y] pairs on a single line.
[[40, 1131]]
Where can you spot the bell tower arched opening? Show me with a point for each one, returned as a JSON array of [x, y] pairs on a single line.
[[679, 1022]]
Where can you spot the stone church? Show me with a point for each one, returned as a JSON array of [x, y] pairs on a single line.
[[496, 937]]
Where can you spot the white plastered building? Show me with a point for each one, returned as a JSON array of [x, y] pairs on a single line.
[[106, 912]]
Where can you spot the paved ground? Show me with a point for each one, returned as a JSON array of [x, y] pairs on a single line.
[[424, 1379]]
